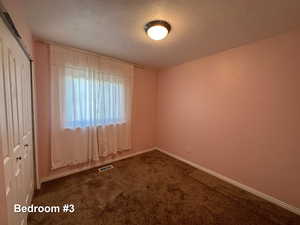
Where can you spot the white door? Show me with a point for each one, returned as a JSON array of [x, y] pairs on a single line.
[[15, 128]]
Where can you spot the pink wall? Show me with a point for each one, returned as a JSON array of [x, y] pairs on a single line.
[[42, 79], [144, 109], [238, 113]]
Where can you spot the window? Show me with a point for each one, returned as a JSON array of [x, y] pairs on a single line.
[[93, 100], [91, 104]]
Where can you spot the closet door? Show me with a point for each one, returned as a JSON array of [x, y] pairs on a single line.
[[27, 135], [16, 130]]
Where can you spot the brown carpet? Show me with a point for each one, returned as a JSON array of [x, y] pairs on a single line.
[[154, 189]]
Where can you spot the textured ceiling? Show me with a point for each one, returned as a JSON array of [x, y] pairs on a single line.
[[199, 27]]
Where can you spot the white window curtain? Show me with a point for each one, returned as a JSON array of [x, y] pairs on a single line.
[[90, 106]]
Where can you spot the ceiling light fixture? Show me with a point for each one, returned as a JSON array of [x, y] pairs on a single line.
[[157, 29]]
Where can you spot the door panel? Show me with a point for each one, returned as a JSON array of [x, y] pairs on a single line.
[[6, 131], [15, 126]]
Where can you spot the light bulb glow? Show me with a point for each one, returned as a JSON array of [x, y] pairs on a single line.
[[157, 32]]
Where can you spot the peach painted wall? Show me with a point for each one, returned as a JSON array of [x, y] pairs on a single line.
[[42, 79], [144, 110], [238, 113]]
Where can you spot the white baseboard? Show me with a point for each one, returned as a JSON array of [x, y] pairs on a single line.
[[77, 170], [237, 184]]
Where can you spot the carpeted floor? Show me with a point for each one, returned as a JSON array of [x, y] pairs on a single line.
[[154, 189]]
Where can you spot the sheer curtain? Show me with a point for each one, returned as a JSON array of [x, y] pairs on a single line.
[[90, 106]]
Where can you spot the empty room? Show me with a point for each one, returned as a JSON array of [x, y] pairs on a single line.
[[149, 112]]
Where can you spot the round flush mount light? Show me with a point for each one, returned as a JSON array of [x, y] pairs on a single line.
[[157, 29]]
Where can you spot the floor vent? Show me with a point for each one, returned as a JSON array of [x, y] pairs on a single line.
[[105, 168]]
